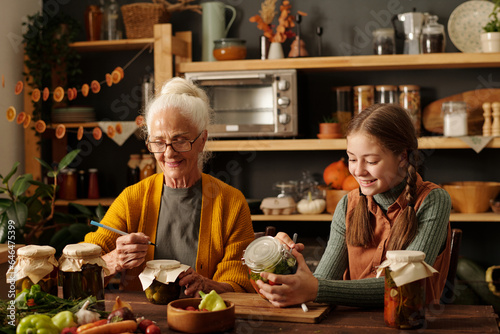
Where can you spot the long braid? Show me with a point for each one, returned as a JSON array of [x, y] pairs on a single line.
[[360, 233]]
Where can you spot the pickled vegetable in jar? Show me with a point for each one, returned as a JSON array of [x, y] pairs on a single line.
[[404, 295], [160, 281], [35, 265], [269, 255], [82, 271]]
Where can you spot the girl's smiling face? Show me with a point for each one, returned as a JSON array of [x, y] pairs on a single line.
[[375, 168]]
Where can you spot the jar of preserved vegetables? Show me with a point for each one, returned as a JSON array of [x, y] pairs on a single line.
[[404, 295], [363, 97], [409, 98], [160, 281], [35, 265], [82, 271], [268, 254]]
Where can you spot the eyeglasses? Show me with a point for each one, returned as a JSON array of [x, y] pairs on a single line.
[[178, 146]]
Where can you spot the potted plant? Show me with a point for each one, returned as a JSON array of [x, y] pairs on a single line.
[[330, 128], [32, 219], [490, 38]]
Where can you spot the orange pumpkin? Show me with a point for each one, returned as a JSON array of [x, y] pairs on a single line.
[[350, 183], [335, 173]]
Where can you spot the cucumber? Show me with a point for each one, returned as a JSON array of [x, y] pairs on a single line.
[[474, 276]]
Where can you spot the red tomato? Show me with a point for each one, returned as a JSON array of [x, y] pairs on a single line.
[[153, 329], [205, 310], [144, 324], [190, 308]]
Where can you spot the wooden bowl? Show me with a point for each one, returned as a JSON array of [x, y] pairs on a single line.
[[198, 321], [472, 196]]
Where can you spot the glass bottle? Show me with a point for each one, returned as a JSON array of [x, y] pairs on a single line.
[[133, 171], [147, 166], [386, 94], [454, 118], [267, 254], [384, 41], [93, 191], [433, 38], [70, 185], [81, 271], [409, 98], [111, 21], [344, 106], [93, 22], [363, 97], [82, 186], [35, 265]]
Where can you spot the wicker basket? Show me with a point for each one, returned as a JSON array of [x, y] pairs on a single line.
[[140, 18]]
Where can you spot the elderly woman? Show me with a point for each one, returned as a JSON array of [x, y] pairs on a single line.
[[192, 217]]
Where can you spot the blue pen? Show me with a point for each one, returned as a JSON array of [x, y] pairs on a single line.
[[92, 222]]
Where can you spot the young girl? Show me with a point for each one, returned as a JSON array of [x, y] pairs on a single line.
[[393, 209]]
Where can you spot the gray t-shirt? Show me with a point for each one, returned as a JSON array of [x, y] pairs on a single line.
[[179, 224]]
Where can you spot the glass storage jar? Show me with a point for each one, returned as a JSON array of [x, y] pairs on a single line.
[[404, 294], [82, 271], [454, 118], [409, 98], [344, 106], [35, 265], [230, 49], [386, 94], [363, 97], [432, 39], [267, 254], [160, 281], [384, 41]]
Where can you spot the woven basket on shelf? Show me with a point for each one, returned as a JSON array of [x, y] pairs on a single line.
[[140, 18]]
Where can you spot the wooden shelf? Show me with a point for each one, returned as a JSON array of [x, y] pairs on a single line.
[[353, 63], [117, 45], [326, 144], [326, 217], [106, 201]]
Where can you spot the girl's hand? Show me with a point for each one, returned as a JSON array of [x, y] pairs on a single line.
[[293, 289], [285, 239]]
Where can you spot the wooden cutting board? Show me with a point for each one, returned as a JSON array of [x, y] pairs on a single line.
[[432, 118], [252, 306]]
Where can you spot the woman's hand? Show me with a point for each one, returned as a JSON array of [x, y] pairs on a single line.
[[129, 253], [285, 239], [293, 289], [195, 282]]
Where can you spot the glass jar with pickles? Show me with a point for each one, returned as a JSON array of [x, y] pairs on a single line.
[[266, 254], [82, 271], [404, 295], [160, 281], [35, 265]]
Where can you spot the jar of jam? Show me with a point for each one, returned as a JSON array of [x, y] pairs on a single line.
[[93, 191], [35, 265], [230, 49], [404, 295], [409, 98], [82, 271], [363, 97], [267, 254], [160, 281]]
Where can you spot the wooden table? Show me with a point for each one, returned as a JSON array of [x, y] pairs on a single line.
[[440, 319]]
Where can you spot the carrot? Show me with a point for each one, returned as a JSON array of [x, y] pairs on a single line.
[[113, 328], [92, 324]]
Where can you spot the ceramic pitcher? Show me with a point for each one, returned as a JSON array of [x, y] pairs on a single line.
[[214, 26]]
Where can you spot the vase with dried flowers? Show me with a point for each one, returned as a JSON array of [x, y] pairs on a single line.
[[285, 23]]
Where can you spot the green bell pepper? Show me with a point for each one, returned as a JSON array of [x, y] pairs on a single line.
[[211, 301], [37, 324], [64, 319]]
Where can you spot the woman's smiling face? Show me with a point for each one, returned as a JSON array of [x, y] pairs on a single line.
[[375, 168]]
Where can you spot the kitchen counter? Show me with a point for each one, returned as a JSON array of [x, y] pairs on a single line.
[[440, 319]]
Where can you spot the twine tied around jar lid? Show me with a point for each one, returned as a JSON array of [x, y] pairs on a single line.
[[164, 271], [33, 261], [76, 255], [406, 266]]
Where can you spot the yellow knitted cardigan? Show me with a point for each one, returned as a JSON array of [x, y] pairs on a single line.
[[225, 229]]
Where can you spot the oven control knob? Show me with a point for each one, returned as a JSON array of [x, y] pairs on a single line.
[[283, 102], [283, 85], [284, 118]]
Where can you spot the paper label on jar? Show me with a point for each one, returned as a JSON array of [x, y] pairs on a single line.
[[148, 275]]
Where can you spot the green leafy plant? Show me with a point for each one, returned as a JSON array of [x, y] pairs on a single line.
[[494, 24], [330, 119], [34, 217]]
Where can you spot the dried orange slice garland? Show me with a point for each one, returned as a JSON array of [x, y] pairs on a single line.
[[45, 94], [20, 118], [79, 134], [58, 94], [35, 95], [85, 90], [19, 87], [71, 94], [60, 131], [40, 126], [27, 121], [97, 133], [95, 86], [109, 81], [11, 113], [119, 128], [111, 131]]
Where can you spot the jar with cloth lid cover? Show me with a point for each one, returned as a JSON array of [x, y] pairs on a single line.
[[268, 254], [35, 265], [160, 280], [404, 295], [82, 271]]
